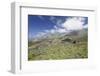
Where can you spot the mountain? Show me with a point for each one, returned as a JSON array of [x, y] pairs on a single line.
[[55, 38], [59, 35], [71, 45]]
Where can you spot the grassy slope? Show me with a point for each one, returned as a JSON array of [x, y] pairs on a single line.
[[56, 49]]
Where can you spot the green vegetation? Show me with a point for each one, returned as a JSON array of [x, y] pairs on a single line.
[[65, 47]]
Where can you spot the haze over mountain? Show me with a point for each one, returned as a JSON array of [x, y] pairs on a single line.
[[59, 46], [66, 39]]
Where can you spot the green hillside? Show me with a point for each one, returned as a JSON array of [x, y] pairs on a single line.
[[54, 47]]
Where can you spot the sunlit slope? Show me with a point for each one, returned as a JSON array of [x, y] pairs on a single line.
[[59, 46]]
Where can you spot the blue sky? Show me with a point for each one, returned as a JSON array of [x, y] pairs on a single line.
[[40, 25]]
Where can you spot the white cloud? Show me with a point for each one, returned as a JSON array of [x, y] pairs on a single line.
[[73, 23], [85, 26], [40, 34], [59, 22], [47, 31], [61, 30], [52, 31]]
